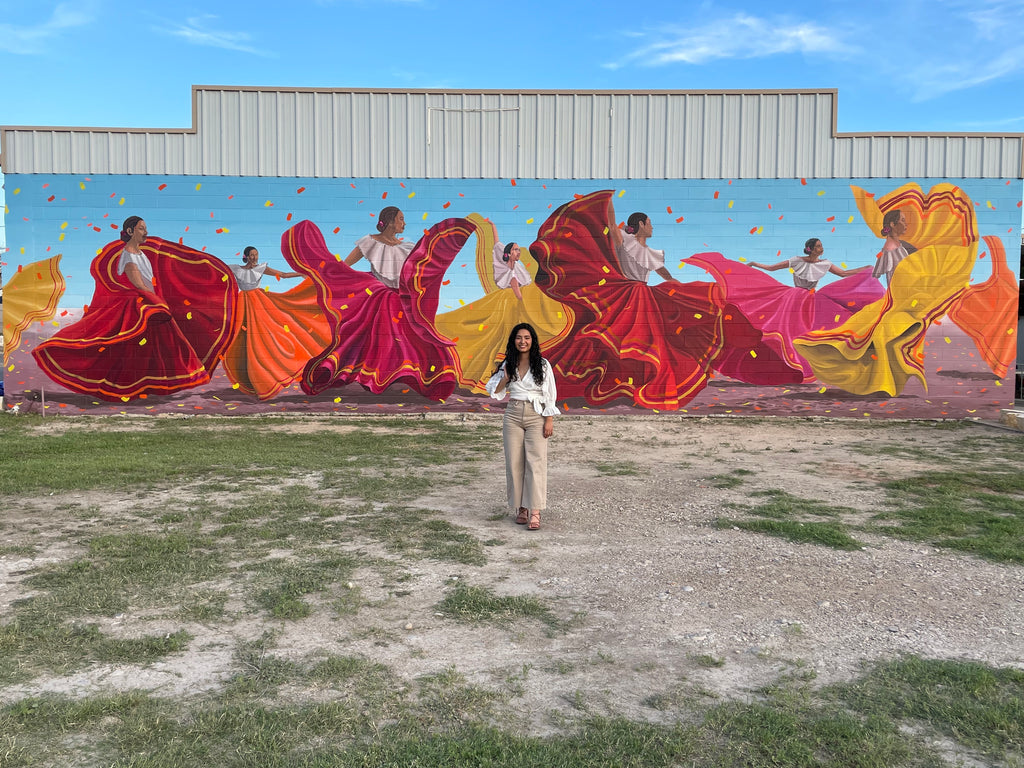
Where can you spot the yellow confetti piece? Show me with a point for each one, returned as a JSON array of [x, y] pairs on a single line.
[[188, 315], [10, 367], [267, 204], [698, 315], [199, 186], [1009, 331], [821, 192], [480, 327], [125, 400], [999, 383], [837, 318], [344, 306], [622, 192], [23, 250], [121, 201], [560, 317], [462, 303], [602, 281], [529, 221], [142, 342], [337, 399], [822, 390], [753, 353], [17, 191], [81, 185], [948, 340], [850, 220], [432, 369], [64, 225], [605, 269], [223, 278], [286, 328], [424, 215], [913, 303], [61, 238], [234, 386], [412, 195], [368, 292]]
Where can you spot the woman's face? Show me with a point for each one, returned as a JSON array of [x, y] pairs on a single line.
[[253, 258], [398, 223], [817, 249], [901, 225], [523, 340], [646, 228], [513, 257], [139, 232]]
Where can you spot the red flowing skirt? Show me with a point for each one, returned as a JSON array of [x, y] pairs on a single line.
[[380, 336], [132, 343]]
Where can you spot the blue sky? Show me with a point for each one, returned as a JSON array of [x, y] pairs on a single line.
[[943, 65]]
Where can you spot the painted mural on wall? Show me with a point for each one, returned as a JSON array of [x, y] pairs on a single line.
[[869, 297]]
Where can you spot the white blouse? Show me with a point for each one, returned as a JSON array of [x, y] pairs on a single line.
[[248, 279], [542, 396], [140, 260], [806, 274], [386, 261], [887, 261], [503, 274], [638, 261]]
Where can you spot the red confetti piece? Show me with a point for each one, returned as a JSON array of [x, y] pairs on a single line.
[[716, 194], [753, 230], [384, 196], [288, 217], [680, 220], [447, 204], [804, 182], [831, 218], [231, 197], [514, 182], [337, 230], [446, 282], [162, 187], [300, 190], [515, 206], [50, 198], [353, 186], [668, 208]]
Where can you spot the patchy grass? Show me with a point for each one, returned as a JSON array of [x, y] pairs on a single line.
[[827, 534], [617, 468], [974, 705], [473, 604], [977, 511], [732, 480]]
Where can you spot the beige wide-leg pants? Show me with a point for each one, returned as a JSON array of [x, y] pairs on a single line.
[[526, 456]]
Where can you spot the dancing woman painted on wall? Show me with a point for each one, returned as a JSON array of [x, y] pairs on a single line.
[[382, 322], [160, 318], [656, 344]]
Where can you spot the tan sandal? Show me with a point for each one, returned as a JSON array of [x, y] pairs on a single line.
[[523, 516], [534, 521]]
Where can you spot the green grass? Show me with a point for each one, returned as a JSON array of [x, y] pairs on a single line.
[[731, 480], [977, 706], [826, 534], [979, 511], [617, 468], [107, 454], [474, 604]]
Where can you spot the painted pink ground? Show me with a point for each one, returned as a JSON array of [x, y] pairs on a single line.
[[960, 386]]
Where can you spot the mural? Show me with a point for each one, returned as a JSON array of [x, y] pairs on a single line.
[[866, 297]]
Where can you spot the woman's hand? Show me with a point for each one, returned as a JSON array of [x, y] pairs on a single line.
[[549, 426]]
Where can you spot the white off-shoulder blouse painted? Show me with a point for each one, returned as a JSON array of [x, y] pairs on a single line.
[[248, 279], [638, 261], [503, 275], [386, 261], [887, 261], [806, 274], [542, 396], [140, 260]]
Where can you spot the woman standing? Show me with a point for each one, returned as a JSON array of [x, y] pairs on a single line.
[[526, 378], [895, 250]]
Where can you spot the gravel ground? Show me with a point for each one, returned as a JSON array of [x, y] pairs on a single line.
[[662, 601]]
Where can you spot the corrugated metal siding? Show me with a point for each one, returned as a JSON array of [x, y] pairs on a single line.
[[488, 134]]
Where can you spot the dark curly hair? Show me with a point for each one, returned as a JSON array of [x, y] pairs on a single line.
[[511, 361], [634, 221], [809, 245], [129, 224]]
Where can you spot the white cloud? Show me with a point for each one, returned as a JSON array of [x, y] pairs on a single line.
[[741, 36], [38, 38], [197, 31]]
